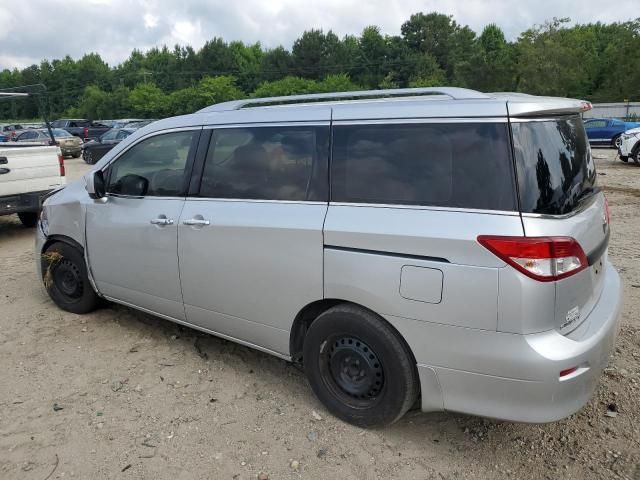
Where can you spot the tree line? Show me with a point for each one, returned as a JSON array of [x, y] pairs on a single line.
[[596, 61]]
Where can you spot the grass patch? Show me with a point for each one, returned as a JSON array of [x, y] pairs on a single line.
[[52, 259]]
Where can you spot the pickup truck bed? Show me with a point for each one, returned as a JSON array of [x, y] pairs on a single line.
[[28, 173]]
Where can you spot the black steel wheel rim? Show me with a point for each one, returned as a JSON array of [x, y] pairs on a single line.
[[68, 279], [352, 371]]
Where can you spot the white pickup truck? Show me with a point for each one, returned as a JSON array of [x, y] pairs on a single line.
[[27, 174]]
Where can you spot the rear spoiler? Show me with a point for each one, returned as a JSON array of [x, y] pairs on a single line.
[[44, 115]]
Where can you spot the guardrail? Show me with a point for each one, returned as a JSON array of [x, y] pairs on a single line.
[[622, 110]]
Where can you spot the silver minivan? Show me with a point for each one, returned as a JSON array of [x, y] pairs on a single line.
[[438, 246]]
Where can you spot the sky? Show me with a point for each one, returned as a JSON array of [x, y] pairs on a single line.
[[33, 30]]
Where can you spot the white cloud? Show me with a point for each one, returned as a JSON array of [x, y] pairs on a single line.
[[150, 20], [40, 29], [185, 32]]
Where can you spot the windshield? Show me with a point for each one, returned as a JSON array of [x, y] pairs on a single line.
[[554, 165]]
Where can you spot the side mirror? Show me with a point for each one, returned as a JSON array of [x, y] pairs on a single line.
[[95, 185]]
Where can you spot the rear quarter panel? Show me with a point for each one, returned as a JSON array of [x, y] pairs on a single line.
[[583, 289], [367, 248]]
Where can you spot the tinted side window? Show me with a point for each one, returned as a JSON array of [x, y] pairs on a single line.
[[596, 124], [267, 163], [555, 169], [448, 165], [109, 135], [27, 136], [154, 167]]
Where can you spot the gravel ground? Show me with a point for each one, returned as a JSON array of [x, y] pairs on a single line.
[[120, 394]]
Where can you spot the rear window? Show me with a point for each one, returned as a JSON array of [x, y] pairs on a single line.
[[555, 170], [58, 132], [463, 165]]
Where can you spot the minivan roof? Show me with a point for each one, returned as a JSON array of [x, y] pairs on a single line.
[[431, 102]]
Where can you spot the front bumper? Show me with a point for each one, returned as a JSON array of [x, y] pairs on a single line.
[[517, 377], [41, 239], [628, 145], [24, 202]]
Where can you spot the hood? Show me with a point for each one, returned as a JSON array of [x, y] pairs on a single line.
[[90, 143], [633, 131]]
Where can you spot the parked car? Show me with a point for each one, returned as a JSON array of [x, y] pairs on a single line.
[[9, 130], [69, 145], [94, 150], [81, 128], [28, 173], [139, 123], [443, 253], [4, 138], [607, 131], [123, 122], [630, 145]]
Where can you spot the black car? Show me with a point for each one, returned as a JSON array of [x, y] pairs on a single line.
[[96, 149]]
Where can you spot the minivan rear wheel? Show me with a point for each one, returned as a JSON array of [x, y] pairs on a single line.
[[65, 278], [359, 367]]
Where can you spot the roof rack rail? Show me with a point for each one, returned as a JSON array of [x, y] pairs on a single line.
[[454, 93]]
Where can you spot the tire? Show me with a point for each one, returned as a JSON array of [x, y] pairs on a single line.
[[28, 219], [359, 367], [616, 142], [88, 157], [76, 155], [624, 159], [636, 154], [65, 278]]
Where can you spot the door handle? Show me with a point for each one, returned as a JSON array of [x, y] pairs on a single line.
[[3, 160], [4, 170], [196, 221], [162, 221]]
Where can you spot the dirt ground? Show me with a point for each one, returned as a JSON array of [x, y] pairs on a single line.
[[120, 394]]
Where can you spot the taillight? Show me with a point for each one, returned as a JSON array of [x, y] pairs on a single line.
[[542, 258], [607, 211], [61, 164], [86, 132]]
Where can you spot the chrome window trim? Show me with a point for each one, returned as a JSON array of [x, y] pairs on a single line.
[[288, 123], [255, 200], [144, 197], [541, 119], [426, 207], [417, 120], [573, 213]]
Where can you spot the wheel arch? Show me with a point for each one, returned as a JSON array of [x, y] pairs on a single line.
[[310, 312], [51, 239]]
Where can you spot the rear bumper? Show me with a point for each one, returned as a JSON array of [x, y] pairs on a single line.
[[71, 150], [24, 202], [517, 377]]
